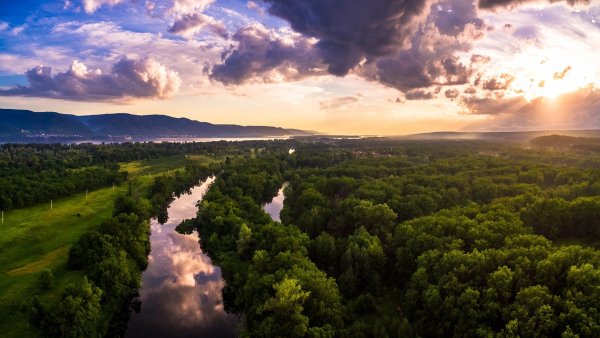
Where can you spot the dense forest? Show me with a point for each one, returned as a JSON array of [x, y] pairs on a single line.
[[378, 237], [388, 238]]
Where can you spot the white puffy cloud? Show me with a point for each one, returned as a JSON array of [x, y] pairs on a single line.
[[189, 25], [128, 78], [187, 57], [90, 6], [190, 6]]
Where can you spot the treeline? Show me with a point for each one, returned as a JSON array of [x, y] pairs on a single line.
[[35, 173], [112, 257], [25, 190], [406, 239], [591, 144]]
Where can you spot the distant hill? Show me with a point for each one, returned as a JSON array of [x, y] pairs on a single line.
[[166, 126], [17, 124], [517, 136]]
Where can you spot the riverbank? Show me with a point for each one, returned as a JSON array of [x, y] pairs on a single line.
[[37, 239]]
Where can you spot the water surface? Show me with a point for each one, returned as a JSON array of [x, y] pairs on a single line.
[[181, 289], [274, 207]]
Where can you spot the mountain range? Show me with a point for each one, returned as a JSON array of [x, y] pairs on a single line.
[[26, 124]]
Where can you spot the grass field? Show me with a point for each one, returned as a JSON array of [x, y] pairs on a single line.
[[37, 238]]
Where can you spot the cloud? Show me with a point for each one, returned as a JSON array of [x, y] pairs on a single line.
[[177, 6], [19, 29], [352, 30], [502, 82], [493, 4], [561, 75], [256, 7], [189, 19], [492, 105], [90, 6], [419, 94], [91, 41], [430, 61], [266, 55], [3, 25], [338, 102], [189, 25], [433, 56], [451, 93], [142, 78], [471, 90], [190, 6], [187, 16], [579, 109], [404, 48]]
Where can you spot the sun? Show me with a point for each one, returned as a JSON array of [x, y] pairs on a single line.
[[548, 73]]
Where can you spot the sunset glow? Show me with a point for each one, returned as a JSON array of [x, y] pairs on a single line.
[[450, 65]]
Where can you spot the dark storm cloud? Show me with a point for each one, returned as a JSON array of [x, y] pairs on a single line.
[[262, 53], [144, 78], [350, 30], [430, 61], [451, 28], [406, 45], [452, 16]]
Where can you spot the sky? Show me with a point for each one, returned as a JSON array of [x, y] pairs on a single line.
[[369, 67]]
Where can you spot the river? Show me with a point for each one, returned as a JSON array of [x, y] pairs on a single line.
[[181, 289], [274, 207]]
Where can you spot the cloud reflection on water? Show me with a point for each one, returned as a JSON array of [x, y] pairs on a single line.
[[181, 289], [274, 207]]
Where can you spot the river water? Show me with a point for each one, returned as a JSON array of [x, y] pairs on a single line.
[[181, 288], [274, 207]]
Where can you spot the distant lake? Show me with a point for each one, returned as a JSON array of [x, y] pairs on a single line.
[[181, 288], [156, 140], [184, 139]]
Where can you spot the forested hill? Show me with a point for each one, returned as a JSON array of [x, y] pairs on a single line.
[[589, 144], [24, 122], [16, 125]]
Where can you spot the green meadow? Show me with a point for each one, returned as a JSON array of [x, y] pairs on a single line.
[[37, 238]]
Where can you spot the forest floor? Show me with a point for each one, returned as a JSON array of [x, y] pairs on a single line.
[[36, 238]]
